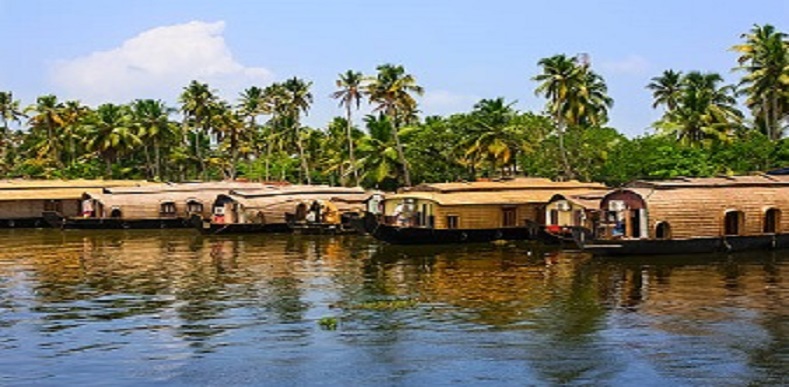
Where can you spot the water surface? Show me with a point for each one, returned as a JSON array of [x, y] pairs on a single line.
[[177, 308]]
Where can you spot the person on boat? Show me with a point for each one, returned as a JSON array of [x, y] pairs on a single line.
[[398, 215]]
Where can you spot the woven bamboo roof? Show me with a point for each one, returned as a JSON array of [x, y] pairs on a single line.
[[299, 190], [262, 202], [539, 194], [588, 200], [713, 182], [152, 199], [25, 184], [226, 186], [523, 183]]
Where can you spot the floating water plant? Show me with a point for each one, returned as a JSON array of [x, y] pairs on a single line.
[[328, 323]]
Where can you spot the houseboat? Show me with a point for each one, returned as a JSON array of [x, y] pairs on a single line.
[[693, 215], [155, 206], [308, 209], [23, 202], [567, 213], [469, 212]]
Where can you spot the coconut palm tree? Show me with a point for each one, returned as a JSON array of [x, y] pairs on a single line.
[[392, 92], [577, 96], [764, 57], [350, 93], [298, 100], [196, 102], [274, 97], [705, 112], [9, 112], [560, 78], [666, 89], [379, 156], [47, 121], [151, 118], [111, 133]]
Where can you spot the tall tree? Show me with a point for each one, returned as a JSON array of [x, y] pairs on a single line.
[[764, 57], [111, 133], [350, 93], [196, 104], [392, 92], [577, 96], [154, 128], [666, 89], [9, 112], [298, 100], [705, 112], [48, 121]]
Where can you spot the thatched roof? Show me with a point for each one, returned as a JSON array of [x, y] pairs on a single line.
[[714, 182], [507, 197], [298, 190], [225, 186], [57, 189], [588, 200], [524, 183], [152, 199]]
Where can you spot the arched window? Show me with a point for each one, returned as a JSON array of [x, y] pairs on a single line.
[[168, 209], [772, 221], [116, 213], [194, 207], [663, 231], [733, 223]]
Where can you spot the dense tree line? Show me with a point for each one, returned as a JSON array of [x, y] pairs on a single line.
[[260, 136]]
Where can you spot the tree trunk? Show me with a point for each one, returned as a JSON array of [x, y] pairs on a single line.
[[350, 147], [304, 165], [158, 160], [568, 172], [401, 156]]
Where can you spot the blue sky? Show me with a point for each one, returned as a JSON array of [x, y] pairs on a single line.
[[461, 51]]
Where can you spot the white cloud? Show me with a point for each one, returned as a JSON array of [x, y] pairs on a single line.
[[631, 65], [446, 102], [158, 63]]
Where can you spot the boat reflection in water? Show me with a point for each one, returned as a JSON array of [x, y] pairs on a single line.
[[175, 307]]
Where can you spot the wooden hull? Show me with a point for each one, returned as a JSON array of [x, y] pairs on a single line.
[[321, 229], [686, 246], [209, 228], [57, 221], [422, 236], [23, 223]]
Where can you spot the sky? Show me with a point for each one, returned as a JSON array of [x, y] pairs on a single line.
[[460, 51]]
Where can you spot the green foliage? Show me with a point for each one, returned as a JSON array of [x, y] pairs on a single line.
[[328, 323]]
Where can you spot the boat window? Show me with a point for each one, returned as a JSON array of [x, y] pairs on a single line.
[[194, 207], [509, 217], [116, 213], [53, 205], [663, 231], [168, 209], [733, 223], [554, 215], [772, 221], [453, 221]]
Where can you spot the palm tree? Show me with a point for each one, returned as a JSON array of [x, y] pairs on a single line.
[[233, 132], [298, 100], [48, 121], [576, 96], [274, 97], [391, 90], [489, 137], [705, 111], [350, 93], [9, 112], [560, 77], [666, 89], [251, 105], [151, 118], [196, 101], [764, 57], [111, 133], [379, 155]]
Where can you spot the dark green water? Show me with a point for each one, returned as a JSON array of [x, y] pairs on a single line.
[[175, 308]]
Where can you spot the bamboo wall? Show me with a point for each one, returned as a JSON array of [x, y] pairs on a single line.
[[700, 211], [28, 209]]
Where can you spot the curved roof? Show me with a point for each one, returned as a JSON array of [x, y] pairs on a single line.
[[523, 183]]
